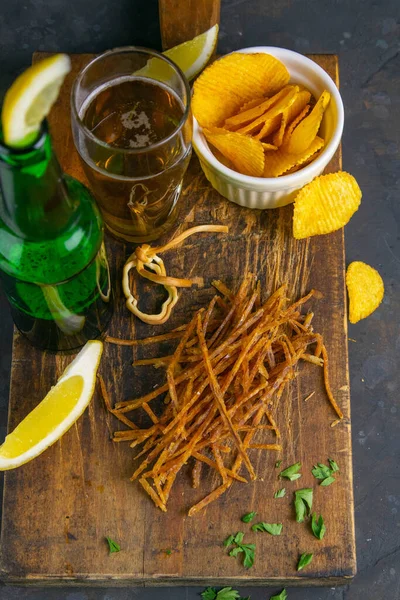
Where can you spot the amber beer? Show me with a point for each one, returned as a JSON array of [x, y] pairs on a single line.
[[135, 152]]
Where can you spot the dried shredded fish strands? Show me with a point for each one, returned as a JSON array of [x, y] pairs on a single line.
[[149, 265], [225, 380]]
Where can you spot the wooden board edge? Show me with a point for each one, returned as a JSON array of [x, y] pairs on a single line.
[[56, 581]]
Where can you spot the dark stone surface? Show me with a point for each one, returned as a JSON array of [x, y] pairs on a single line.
[[365, 34]]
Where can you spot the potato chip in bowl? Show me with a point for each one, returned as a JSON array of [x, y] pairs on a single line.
[[266, 122]]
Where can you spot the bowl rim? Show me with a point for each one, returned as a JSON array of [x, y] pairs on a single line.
[[294, 179]]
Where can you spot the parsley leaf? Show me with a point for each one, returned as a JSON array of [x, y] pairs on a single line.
[[318, 526], [334, 465], [281, 596], [303, 503], [238, 539], [272, 528], [209, 594], [113, 546], [327, 481], [247, 549], [235, 551], [229, 541], [280, 493], [321, 471], [291, 472], [304, 560], [249, 517], [278, 464], [226, 593]]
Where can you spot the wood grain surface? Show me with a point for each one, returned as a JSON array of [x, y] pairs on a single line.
[[182, 20], [58, 509]]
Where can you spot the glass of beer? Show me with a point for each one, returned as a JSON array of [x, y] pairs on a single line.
[[132, 127]]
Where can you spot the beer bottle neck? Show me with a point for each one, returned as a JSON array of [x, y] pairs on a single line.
[[34, 200]]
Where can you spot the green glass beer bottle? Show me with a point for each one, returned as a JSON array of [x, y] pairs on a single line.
[[53, 263]]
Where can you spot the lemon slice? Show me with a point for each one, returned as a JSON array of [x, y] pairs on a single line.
[[55, 414], [30, 98], [191, 57]]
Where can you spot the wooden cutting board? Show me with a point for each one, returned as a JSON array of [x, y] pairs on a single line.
[[58, 509]]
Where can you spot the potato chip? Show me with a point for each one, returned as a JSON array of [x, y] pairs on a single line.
[[325, 205], [290, 113], [306, 162], [285, 99], [290, 128], [302, 99], [245, 153], [365, 288], [268, 146], [270, 125], [229, 82], [247, 116], [278, 136], [252, 104], [222, 159], [279, 162], [307, 129]]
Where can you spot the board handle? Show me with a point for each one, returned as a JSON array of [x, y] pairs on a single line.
[[182, 20]]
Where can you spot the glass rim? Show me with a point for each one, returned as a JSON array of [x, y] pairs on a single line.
[[120, 50]]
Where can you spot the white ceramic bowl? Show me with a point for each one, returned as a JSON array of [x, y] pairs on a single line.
[[262, 192]]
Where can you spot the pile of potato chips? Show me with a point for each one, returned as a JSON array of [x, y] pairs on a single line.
[[256, 122], [260, 125]]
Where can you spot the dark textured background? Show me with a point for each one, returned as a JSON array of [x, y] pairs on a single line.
[[366, 35]]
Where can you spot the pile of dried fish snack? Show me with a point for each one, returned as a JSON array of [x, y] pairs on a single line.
[[224, 382]]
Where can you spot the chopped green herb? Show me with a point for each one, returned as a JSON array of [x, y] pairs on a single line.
[[303, 503], [168, 552], [113, 546], [247, 549], [209, 594], [249, 517], [238, 539], [226, 593], [334, 465], [321, 471], [280, 493], [272, 528], [291, 472], [281, 596], [304, 560], [229, 541], [278, 464], [327, 481], [318, 526], [235, 551]]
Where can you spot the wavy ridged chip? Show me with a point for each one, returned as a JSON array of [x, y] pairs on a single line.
[[325, 205], [229, 82], [245, 153], [278, 163], [365, 288], [307, 129], [289, 115]]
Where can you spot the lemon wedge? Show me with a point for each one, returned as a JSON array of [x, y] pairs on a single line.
[[56, 413], [30, 98], [191, 57]]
